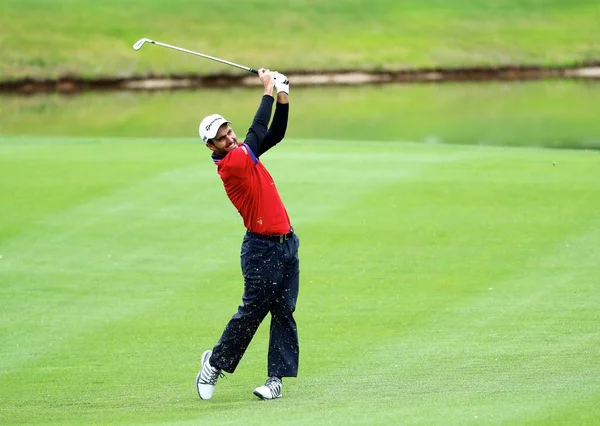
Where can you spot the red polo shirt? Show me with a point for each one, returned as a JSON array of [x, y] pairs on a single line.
[[252, 191]]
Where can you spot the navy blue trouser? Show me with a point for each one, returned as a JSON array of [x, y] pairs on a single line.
[[271, 279]]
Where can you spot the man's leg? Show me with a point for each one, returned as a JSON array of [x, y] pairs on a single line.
[[261, 284], [241, 328], [283, 342]]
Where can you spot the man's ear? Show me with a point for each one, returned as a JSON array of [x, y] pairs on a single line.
[[211, 146]]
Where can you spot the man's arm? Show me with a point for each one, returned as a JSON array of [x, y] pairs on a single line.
[[258, 130], [276, 132]]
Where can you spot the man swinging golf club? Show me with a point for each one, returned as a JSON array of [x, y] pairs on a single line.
[[269, 255]]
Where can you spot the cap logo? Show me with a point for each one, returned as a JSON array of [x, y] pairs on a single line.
[[211, 123]]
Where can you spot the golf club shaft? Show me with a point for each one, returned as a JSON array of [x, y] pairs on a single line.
[[252, 70]]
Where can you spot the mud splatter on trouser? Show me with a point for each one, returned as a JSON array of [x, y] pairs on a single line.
[[271, 278]]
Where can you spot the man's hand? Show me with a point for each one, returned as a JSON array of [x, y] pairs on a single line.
[[266, 77], [282, 84]]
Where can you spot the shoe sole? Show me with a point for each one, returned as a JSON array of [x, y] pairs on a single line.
[[198, 385], [200, 372], [258, 394]]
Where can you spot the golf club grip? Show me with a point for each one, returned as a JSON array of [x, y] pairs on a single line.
[[252, 70]]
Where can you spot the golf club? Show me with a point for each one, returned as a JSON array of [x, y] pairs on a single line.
[[138, 45]]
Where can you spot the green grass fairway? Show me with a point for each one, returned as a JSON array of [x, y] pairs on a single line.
[[42, 38], [440, 284]]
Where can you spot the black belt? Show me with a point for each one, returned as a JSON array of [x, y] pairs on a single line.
[[276, 238]]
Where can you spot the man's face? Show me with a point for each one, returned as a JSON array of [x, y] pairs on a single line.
[[224, 141]]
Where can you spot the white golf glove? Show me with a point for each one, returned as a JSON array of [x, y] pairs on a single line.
[[282, 84]]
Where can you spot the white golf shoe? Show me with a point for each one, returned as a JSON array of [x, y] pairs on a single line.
[[270, 390], [206, 380]]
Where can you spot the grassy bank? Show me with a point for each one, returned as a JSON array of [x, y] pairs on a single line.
[[546, 113], [48, 39]]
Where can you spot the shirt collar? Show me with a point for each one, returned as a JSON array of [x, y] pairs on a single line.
[[216, 157]]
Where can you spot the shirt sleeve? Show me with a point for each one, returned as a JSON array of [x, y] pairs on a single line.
[[277, 130], [258, 130]]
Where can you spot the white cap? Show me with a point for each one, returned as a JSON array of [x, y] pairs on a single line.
[[209, 126]]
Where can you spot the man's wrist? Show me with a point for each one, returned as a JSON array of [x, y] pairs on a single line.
[[283, 98]]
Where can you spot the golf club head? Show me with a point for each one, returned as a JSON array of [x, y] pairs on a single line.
[[138, 44]]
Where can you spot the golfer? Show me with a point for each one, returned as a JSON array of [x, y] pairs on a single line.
[[269, 254]]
